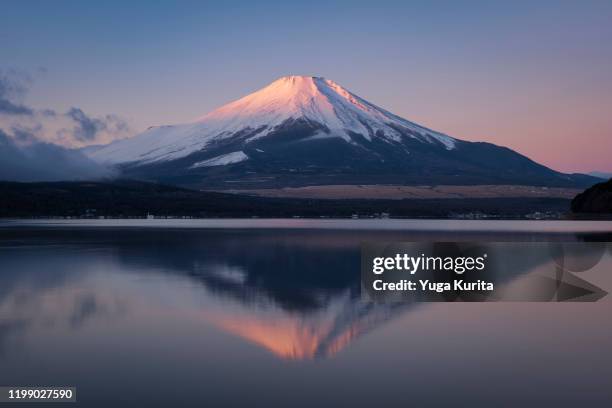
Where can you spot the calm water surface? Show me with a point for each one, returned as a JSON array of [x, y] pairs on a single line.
[[268, 312]]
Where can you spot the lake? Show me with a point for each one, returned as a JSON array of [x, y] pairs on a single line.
[[269, 313]]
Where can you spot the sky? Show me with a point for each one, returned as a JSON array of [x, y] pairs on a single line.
[[535, 76]]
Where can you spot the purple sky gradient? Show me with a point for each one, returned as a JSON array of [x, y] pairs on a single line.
[[534, 77]]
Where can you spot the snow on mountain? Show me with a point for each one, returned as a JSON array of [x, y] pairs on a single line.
[[222, 160], [340, 113]]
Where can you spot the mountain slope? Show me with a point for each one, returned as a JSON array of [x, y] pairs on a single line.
[[307, 131]]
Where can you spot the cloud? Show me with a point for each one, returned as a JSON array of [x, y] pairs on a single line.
[[12, 87], [38, 161], [72, 129], [87, 127], [7, 106], [41, 144]]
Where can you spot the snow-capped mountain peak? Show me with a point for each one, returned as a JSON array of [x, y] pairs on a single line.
[[337, 111], [314, 98], [304, 131]]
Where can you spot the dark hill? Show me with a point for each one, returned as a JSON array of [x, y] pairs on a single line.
[[594, 200]]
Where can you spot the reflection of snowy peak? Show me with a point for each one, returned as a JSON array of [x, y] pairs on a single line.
[[302, 130], [319, 334]]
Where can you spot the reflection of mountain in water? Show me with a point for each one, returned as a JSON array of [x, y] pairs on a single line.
[[312, 334], [295, 293]]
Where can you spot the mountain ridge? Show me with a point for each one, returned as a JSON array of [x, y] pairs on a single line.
[[302, 130]]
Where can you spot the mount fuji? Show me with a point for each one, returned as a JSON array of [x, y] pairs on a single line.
[[303, 130]]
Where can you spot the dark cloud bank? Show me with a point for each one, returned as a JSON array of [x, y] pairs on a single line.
[[45, 162], [25, 157], [10, 88]]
